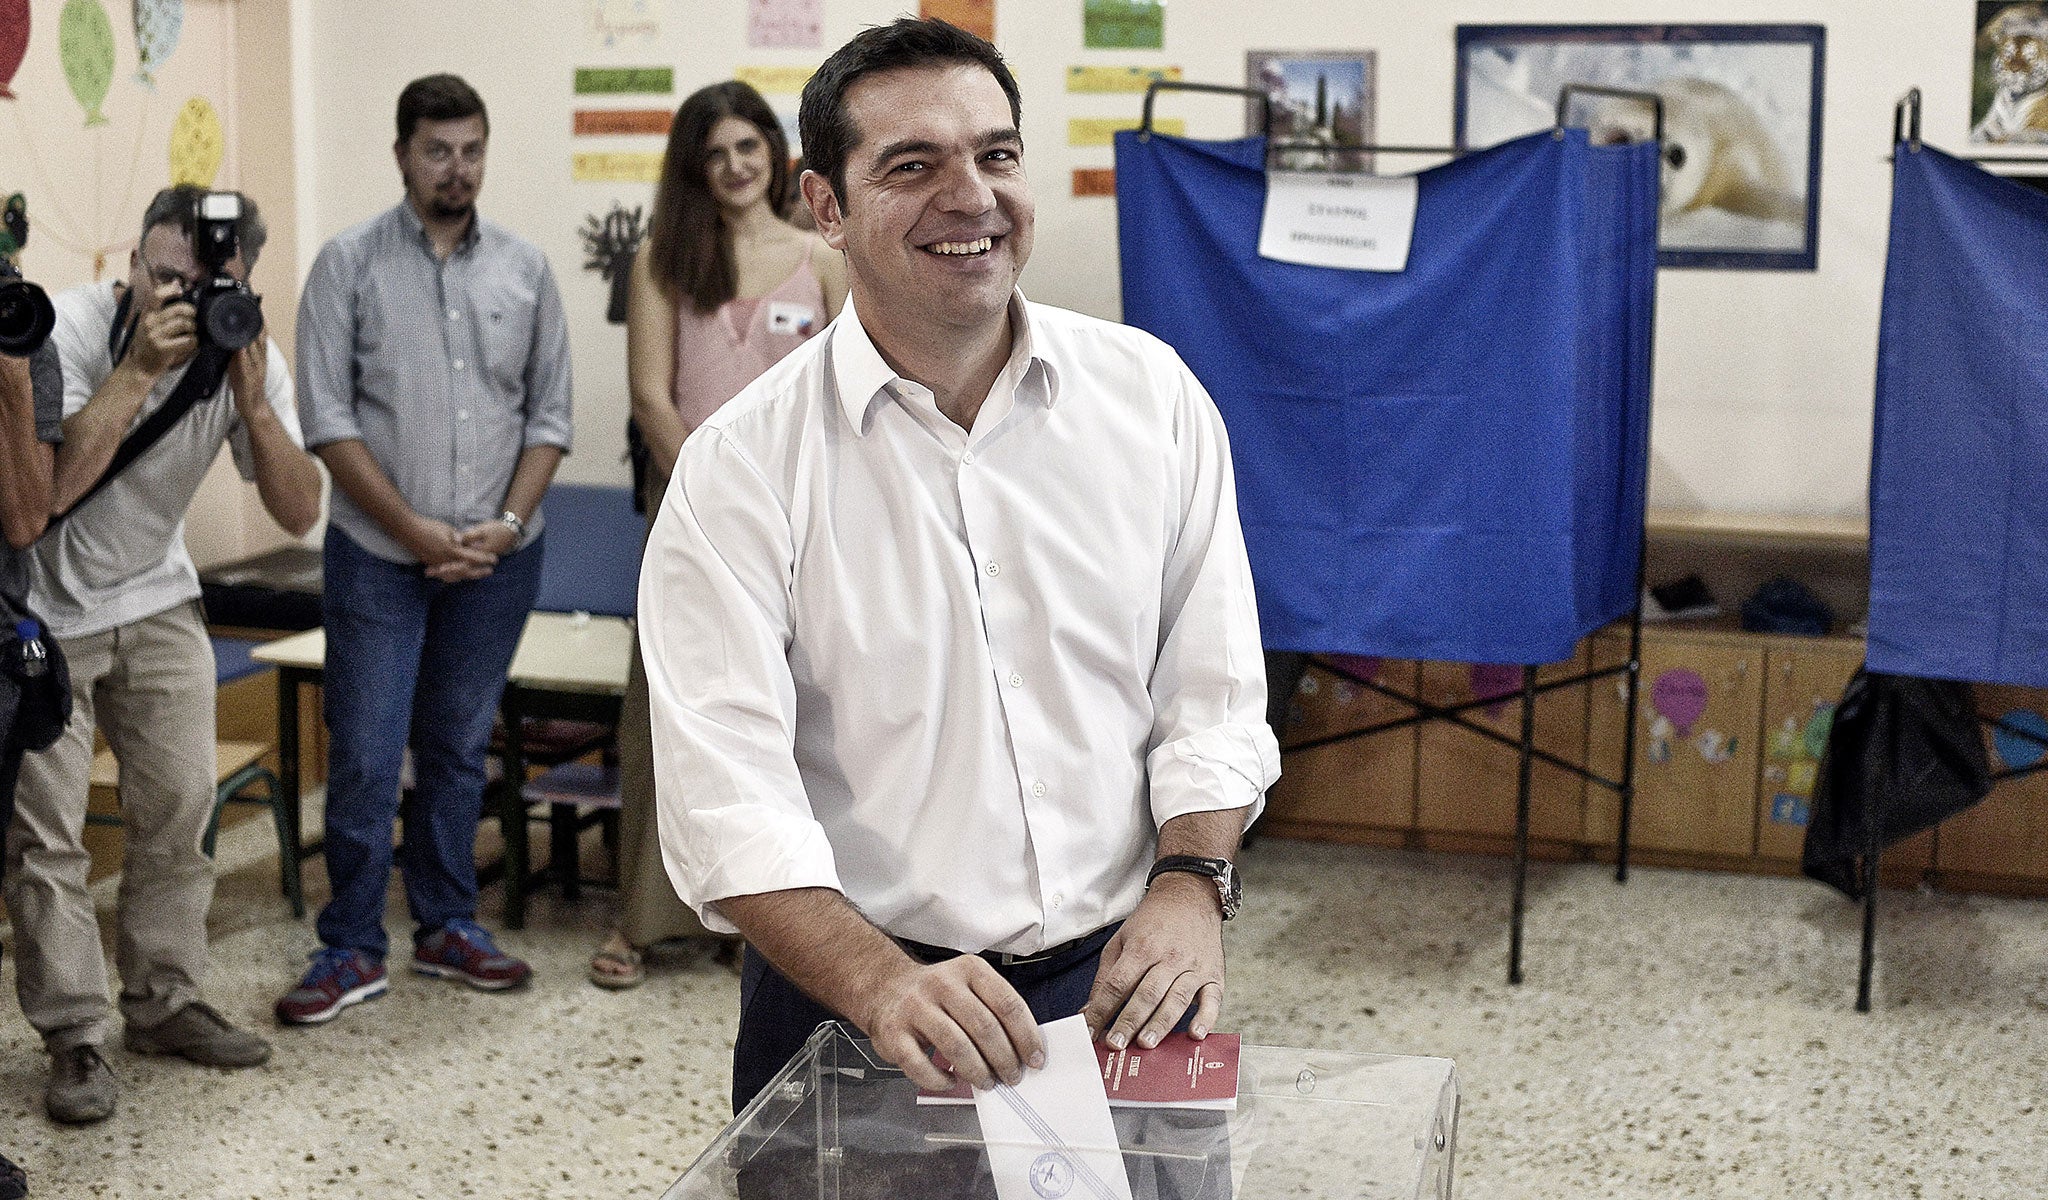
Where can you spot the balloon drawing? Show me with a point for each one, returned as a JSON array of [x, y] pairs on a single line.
[[196, 144], [157, 26], [85, 44], [13, 42], [1681, 697]]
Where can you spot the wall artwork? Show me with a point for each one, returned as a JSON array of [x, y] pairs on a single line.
[[1123, 24], [1320, 98], [2009, 79], [977, 17], [1742, 110], [797, 23]]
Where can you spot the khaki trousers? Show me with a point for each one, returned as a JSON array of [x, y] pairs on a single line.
[[149, 686], [649, 909]]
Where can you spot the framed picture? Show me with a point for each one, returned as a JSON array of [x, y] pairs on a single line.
[[1741, 186], [1320, 98], [2009, 80]]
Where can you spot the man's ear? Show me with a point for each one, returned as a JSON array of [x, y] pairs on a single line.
[[824, 206]]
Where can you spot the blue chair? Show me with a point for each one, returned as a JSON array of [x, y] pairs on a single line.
[[593, 555]]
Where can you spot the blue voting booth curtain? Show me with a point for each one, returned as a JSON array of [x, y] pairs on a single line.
[[1959, 464], [1442, 463]]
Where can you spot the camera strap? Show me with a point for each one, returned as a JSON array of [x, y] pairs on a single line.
[[201, 381]]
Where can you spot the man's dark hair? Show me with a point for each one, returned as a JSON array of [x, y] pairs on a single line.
[[438, 98], [178, 206], [828, 133]]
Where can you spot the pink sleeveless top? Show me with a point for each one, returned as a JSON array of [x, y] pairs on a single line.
[[718, 353]]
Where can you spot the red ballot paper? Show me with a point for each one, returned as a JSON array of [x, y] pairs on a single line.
[[1179, 1072]]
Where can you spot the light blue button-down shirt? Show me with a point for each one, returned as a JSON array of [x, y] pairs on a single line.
[[445, 369]]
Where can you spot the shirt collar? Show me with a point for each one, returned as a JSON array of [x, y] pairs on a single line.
[[862, 376], [417, 229]]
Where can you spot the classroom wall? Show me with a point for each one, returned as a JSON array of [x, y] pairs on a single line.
[[87, 185], [1763, 378]]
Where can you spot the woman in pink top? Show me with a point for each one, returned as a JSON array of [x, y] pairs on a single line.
[[722, 288]]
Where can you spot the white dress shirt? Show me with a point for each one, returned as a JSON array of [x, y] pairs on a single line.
[[962, 676]]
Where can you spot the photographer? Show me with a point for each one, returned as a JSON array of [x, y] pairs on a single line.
[[31, 413], [120, 594]]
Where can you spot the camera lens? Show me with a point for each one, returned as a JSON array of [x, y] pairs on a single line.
[[26, 317], [230, 316]]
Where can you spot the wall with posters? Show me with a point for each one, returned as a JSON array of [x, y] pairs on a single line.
[[1764, 378], [88, 140]]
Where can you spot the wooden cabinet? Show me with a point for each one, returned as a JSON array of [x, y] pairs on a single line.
[[1803, 681], [2003, 842], [1361, 783], [1696, 744], [1468, 784]]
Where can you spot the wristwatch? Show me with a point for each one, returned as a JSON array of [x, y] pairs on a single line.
[[1229, 884], [511, 521]]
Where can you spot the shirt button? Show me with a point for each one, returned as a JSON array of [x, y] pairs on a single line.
[[994, 569], [455, 314], [967, 459], [1058, 899], [463, 415], [1016, 680], [1038, 789], [458, 364]]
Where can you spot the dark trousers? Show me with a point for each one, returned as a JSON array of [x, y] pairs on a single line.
[[776, 1019], [411, 660]]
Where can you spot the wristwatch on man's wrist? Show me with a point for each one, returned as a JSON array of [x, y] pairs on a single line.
[[1229, 885], [511, 521]]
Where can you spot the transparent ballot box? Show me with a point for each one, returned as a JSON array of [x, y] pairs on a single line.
[[840, 1124]]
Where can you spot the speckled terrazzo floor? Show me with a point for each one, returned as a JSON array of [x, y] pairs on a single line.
[[1685, 1035]]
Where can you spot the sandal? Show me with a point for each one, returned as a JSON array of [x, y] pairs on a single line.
[[13, 1180], [617, 970]]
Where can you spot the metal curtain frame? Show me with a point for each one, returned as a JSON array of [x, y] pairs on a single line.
[[1265, 102], [1423, 710], [1906, 133]]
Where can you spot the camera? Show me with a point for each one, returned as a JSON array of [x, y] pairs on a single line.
[[26, 316], [229, 314]]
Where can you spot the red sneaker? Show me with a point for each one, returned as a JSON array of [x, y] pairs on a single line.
[[337, 979], [462, 950]]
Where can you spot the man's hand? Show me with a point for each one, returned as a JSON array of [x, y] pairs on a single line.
[[960, 1008], [246, 371], [494, 538], [166, 335], [1167, 956], [440, 549]]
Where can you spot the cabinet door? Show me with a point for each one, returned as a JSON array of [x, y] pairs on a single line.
[[1802, 685], [2007, 834], [1362, 782], [1466, 783], [1696, 746]]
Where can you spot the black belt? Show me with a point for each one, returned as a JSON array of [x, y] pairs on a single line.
[[1087, 943]]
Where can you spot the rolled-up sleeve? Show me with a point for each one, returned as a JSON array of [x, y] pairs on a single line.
[[1210, 748], [715, 630], [326, 337], [548, 419]]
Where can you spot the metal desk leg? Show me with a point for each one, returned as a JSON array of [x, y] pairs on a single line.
[[512, 810], [1521, 864], [289, 799]]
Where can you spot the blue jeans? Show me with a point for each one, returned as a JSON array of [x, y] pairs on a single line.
[[410, 660]]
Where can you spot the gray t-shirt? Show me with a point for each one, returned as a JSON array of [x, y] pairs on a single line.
[[121, 555], [48, 380]]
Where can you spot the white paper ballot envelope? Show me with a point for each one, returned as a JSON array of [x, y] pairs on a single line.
[[1353, 222], [1051, 1136]]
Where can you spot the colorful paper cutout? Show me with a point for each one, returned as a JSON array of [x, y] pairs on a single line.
[[616, 81], [597, 121], [157, 26], [85, 44], [14, 22], [1119, 79], [775, 81], [798, 23], [1680, 695], [1095, 181], [197, 144], [616, 168], [977, 17], [1123, 24], [1101, 131]]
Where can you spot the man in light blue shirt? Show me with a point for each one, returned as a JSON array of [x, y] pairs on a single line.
[[434, 371]]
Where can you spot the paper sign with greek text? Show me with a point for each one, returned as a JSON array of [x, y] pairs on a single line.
[[1353, 222]]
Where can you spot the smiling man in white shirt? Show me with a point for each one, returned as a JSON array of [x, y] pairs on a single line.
[[957, 686]]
